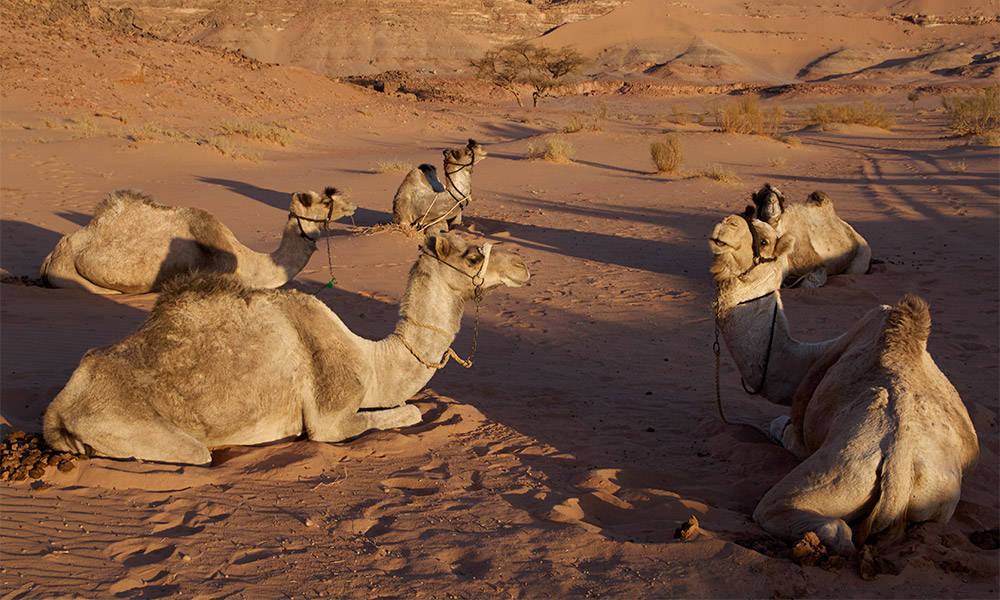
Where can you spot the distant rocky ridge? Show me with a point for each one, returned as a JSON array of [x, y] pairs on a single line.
[[358, 37]]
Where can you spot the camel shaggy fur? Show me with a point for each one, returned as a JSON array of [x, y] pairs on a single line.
[[883, 436], [218, 363], [824, 243], [133, 245], [422, 202]]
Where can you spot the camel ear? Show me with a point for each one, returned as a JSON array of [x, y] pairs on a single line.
[[304, 198], [331, 191], [749, 212], [472, 143], [439, 245], [784, 245]]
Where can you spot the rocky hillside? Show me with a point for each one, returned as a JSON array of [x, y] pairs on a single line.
[[358, 37]]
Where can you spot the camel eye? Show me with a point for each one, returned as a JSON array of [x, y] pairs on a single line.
[[763, 242]]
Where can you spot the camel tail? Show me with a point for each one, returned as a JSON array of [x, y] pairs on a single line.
[[907, 328], [894, 485], [57, 436]]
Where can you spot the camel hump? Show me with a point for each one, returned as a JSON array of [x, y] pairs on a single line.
[[195, 285], [118, 200], [908, 326], [819, 198]]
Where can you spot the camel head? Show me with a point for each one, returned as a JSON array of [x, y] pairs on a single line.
[[460, 263], [466, 156], [770, 204], [328, 206], [741, 244]]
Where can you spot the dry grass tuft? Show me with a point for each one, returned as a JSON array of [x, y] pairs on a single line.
[[151, 131], [555, 150], [720, 173], [83, 127], [666, 155], [275, 134], [865, 113], [745, 115], [392, 166], [227, 147], [974, 115]]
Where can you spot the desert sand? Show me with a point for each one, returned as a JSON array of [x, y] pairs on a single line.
[[586, 433]]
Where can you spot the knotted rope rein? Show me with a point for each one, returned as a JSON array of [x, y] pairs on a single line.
[[464, 198], [329, 250], [716, 348], [477, 295]]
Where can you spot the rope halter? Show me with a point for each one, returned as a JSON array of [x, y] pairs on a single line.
[[478, 280], [300, 218]]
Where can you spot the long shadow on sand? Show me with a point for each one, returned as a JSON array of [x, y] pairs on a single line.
[[270, 197], [25, 246]]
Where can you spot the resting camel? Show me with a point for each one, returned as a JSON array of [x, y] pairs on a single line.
[[824, 243], [133, 245], [882, 434], [421, 201], [218, 363]]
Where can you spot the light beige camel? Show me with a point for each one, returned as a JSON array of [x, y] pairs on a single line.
[[883, 436], [133, 245], [824, 243], [218, 364], [421, 200]]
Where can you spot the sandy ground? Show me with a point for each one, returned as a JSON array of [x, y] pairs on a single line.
[[562, 462]]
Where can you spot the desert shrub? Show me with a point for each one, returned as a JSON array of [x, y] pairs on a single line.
[[974, 115], [227, 147], [84, 127], [392, 166], [745, 115], [555, 150], [864, 113], [575, 123], [666, 155], [274, 134], [151, 131], [720, 173]]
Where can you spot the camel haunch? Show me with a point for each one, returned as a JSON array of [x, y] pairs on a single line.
[[883, 436]]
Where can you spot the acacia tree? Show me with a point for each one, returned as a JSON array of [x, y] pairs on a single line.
[[522, 63]]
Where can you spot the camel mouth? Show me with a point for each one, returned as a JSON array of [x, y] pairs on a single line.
[[718, 245], [517, 278]]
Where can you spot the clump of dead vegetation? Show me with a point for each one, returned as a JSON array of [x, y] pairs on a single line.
[[666, 154], [745, 115], [719, 173], [261, 132], [863, 113], [392, 166], [555, 149], [976, 115]]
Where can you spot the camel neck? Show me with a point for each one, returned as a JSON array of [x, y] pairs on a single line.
[[277, 268], [458, 178], [747, 329], [430, 317]]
